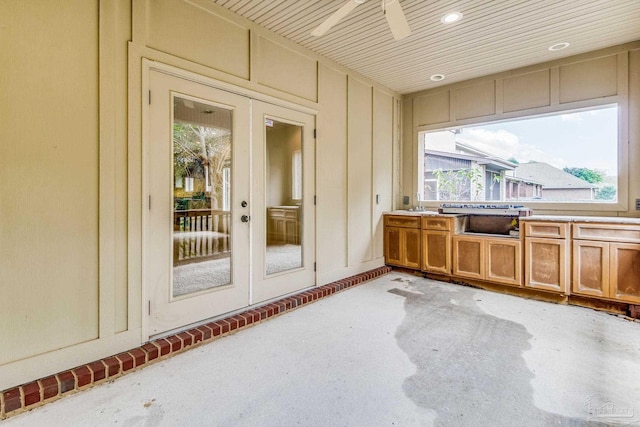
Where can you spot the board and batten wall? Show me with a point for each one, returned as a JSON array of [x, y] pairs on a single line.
[[603, 77], [71, 161]]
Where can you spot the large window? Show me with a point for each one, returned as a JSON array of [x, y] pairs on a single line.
[[569, 157]]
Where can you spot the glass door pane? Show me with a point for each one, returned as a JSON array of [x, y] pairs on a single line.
[[284, 195], [202, 142]]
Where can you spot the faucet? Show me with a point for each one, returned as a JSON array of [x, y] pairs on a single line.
[[418, 208]]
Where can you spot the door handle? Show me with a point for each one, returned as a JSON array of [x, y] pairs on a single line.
[[245, 218]]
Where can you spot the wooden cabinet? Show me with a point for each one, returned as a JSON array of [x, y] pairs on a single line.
[[283, 225], [606, 261], [493, 259], [591, 268], [624, 271], [578, 256], [402, 241], [468, 257], [436, 245], [546, 255], [503, 263]]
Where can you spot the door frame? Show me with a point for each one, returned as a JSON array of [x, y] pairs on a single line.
[[147, 66]]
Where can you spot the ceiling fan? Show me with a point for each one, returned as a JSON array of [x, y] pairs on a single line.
[[391, 9]]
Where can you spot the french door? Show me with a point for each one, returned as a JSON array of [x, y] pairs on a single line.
[[196, 245], [283, 223], [229, 215]]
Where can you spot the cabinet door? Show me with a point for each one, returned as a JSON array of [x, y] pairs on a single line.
[[503, 261], [392, 251], [590, 268], [291, 231], [625, 271], [281, 230], [402, 247], [546, 264], [468, 257], [436, 251], [410, 238]]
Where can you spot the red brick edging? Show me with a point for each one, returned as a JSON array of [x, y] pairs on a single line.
[[45, 390]]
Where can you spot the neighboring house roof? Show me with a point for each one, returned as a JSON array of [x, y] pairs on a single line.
[[520, 179], [469, 149], [494, 163], [498, 161], [550, 176]]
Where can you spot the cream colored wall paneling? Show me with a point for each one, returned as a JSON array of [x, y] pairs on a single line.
[[409, 151], [199, 35], [475, 101], [588, 80], [284, 69], [382, 165], [633, 115], [331, 173], [525, 91], [126, 306], [48, 177], [595, 78], [433, 108], [115, 32], [397, 154], [359, 172]]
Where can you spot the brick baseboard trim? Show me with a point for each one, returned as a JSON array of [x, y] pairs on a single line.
[[36, 393]]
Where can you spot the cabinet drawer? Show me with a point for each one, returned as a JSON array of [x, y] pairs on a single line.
[[272, 212], [429, 223], [291, 214], [607, 232], [555, 230], [402, 221]]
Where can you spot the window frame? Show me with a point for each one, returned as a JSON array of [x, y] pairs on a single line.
[[621, 205]]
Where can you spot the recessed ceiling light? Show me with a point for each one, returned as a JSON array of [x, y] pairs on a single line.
[[559, 46], [450, 18], [437, 77]]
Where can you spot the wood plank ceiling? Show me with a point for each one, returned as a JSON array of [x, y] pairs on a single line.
[[493, 36]]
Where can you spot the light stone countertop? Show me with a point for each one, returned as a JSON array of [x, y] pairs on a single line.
[[547, 218], [419, 213], [594, 219]]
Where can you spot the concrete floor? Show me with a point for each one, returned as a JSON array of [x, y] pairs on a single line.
[[399, 350]]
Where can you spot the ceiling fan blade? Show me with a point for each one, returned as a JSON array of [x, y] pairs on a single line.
[[396, 19], [335, 18]]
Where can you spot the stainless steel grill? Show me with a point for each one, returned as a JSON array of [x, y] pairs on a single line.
[[484, 209]]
